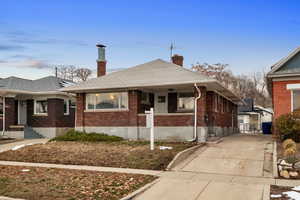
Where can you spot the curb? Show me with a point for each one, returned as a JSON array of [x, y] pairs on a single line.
[[180, 156], [275, 170], [139, 191]]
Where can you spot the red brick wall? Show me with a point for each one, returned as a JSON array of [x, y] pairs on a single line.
[[130, 117], [54, 118], [218, 116], [168, 120], [282, 97], [114, 118]]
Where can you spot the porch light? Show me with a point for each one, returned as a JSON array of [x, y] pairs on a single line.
[[112, 97]]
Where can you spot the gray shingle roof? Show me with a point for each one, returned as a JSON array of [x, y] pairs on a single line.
[[154, 73], [151, 74], [46, 84]]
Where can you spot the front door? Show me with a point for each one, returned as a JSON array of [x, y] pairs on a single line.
[[22, 112], [161, 103]]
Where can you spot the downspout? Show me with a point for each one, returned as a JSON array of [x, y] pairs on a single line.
[[3, 117], [195, 113]]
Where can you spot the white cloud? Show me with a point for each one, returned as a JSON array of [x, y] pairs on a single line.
[[27, 63]]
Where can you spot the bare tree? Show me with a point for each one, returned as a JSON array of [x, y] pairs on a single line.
[[83, 74], [244, 86], [72, 73]]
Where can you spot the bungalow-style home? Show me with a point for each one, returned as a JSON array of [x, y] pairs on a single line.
[[35, 108], [187, 104], [251, 117], [284, 84]]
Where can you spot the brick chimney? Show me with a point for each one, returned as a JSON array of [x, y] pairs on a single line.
[[177, 59], [101, 62]]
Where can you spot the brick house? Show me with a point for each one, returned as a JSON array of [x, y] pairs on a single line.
[[187, 105], [35, 108], [284, 84]]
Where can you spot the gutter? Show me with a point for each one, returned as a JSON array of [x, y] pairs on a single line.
[[195, 111]]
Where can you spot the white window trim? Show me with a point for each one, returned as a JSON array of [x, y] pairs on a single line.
[[34, 107], [68, 106], [183, 109], [106, 109], [295, 86]]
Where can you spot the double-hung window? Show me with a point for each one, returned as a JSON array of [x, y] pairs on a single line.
[[296, 100], [107, 101], [185, 102], [66, 107], [40, 107]]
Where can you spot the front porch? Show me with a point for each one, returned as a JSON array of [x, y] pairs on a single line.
[[34, 116], [179, 113]]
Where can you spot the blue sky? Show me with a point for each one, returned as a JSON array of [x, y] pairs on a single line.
[[248, 35]]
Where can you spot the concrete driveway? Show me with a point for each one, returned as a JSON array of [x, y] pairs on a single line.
[[240, 167]]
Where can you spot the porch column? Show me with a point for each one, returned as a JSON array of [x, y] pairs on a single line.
[[79, 115], [202, 129], [11, 114], [133, 106]]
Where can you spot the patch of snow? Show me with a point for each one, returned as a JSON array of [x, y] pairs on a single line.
[[25, 170], [276, 195], [293, 195], [20, 146], [164, 148], [297, 188]]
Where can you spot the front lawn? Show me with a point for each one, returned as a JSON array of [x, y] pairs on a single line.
[[47, 183], [123, 154]]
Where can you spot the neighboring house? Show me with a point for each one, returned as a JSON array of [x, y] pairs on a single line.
[[252, 117], [116, 103], [35, 108], [284, 84]]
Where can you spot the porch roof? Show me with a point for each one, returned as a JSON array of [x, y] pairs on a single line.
[[155, 74]]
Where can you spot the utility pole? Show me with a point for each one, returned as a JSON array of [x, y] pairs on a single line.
[[56, 72]]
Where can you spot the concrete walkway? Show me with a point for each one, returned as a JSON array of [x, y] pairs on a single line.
[[9, 146], [230, 170]]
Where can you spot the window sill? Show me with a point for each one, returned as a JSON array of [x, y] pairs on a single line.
[[108, 110], [40, 115], [167, 114]]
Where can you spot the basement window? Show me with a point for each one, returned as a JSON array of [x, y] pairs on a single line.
[[107, 101], [40, 107], [185, 102]]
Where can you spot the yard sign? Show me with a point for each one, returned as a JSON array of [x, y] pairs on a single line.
[[150, 124]]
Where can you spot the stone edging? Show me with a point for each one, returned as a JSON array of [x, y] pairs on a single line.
[[180, 156], [266, 193], [275, 169], [139, 191]]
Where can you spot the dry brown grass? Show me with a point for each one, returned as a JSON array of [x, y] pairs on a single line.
[[59, 184], [118, 154]]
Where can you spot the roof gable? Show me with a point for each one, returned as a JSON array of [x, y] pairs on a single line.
[[287, 65]]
